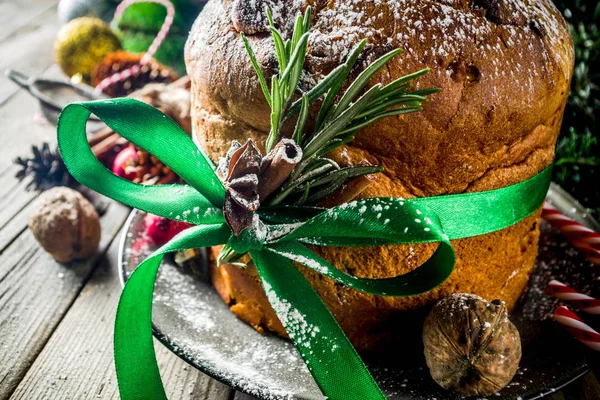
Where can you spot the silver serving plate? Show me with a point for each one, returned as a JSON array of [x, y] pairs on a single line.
[[191, 319]]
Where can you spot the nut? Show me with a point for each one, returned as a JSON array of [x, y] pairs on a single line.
[[65, 224], [471, 346]]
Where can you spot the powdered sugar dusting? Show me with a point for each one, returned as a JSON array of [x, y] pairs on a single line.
[[200, 328], [453, 30]]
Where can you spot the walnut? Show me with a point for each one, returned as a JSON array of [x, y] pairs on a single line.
[[65, 224], [471, 346]]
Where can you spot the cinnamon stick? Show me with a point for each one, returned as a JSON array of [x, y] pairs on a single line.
[[105, 146], [100, 135], [277, 166]]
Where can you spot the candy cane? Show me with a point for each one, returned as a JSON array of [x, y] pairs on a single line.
[[583, 238], [577, 300], [576, 327], [147, 57]]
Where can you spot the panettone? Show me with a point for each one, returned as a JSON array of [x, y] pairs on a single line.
[[504, 69]]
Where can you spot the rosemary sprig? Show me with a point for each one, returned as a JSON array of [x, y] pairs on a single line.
[[290, 57], [341, 114]]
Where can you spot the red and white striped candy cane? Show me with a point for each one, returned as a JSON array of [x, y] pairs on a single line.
[[575, 299], [147, 57], [576, 327], [583, 238]]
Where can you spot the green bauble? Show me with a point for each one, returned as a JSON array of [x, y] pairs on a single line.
[[140, 23], [170, 52], [83, 43]]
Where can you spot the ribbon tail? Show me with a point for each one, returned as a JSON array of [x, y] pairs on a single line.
[[135, 361], [424, 278], [329, 355]]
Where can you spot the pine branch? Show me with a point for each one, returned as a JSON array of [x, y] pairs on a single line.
[[577, 151]]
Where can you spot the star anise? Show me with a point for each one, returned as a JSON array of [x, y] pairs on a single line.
[[250, 178], [241, 185]]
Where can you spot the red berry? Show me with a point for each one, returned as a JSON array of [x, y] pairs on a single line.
[[161, 229], [121, 160]]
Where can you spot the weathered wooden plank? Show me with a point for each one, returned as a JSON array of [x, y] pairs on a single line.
[[15, 14], [19, 133], [29, 49], [15, 225], [13, 218], [77, 360], [35, 294], [19, 130]]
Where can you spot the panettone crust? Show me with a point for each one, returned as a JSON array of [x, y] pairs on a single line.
[[504, 70]]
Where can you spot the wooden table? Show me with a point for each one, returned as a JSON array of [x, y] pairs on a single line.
[[56, 320]]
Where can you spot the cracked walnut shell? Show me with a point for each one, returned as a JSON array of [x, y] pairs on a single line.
[[471, 346]]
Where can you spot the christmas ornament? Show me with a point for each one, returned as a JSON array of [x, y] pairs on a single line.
[[83, 43], [471, 346], [147, 57], [122, 160], [140, 24], [71, 9], [65, 224], [124, 83]]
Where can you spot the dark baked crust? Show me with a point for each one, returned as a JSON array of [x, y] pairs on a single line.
[[504, 69]]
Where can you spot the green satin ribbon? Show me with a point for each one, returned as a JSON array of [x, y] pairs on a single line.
[[279, 239]]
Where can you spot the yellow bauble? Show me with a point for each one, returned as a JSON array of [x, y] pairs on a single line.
[[82, 43]]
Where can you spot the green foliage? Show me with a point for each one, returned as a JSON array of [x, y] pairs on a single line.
[[578, 150], [341, 114]]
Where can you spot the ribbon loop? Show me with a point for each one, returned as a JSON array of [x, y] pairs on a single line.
[[135, 361], [156, 133]]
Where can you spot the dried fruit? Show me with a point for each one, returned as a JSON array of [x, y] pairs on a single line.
[[471, 346]]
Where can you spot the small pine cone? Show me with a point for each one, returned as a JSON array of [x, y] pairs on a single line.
[[152, 72]]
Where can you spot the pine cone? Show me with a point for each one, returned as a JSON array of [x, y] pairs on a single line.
[[46, 167], [152, 72]]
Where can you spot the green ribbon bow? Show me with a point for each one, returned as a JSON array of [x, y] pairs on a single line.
[[279, 239]]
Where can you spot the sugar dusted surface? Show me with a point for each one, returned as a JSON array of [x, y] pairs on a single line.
[[199, 327]]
